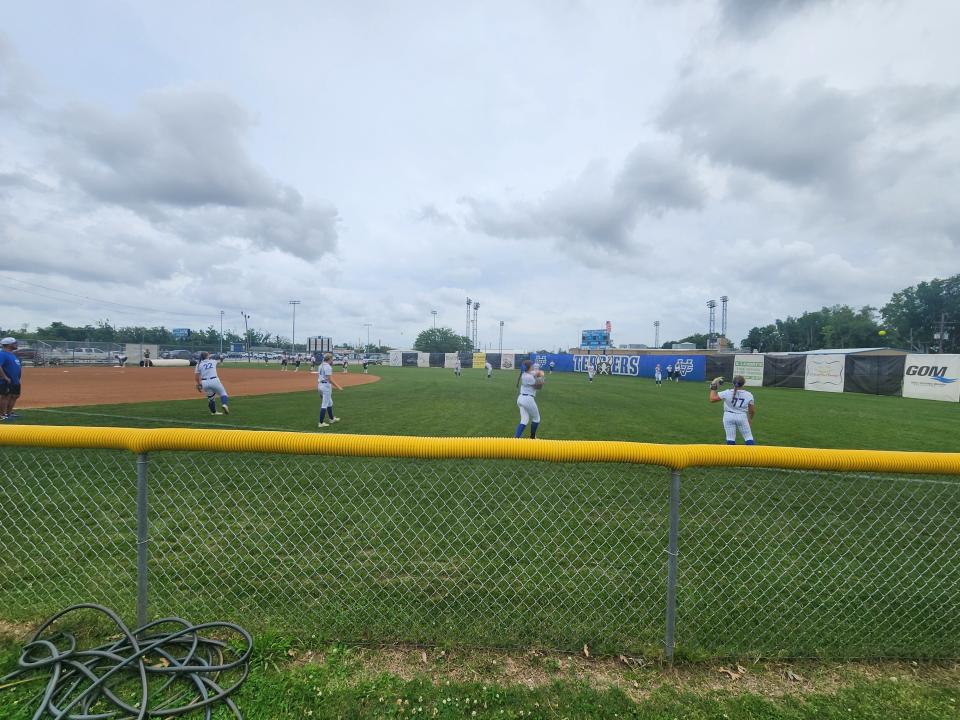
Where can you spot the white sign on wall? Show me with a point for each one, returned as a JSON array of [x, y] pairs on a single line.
[[932, 377], [825, 373], [751, 367], [396, 358], [423, 359], [450, 360]]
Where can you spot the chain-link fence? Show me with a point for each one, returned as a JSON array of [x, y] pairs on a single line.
[[502, 553]]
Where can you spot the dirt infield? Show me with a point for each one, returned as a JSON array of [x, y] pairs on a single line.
[[56, 387]]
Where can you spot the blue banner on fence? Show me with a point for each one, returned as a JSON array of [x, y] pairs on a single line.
[[690, 367]]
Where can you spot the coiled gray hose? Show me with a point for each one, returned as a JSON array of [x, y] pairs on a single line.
[[159, 674]]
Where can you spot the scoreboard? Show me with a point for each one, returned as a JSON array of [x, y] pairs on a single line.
[[595, 338]]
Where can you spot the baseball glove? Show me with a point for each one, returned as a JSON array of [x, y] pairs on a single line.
[[716, 383], [199, 387]]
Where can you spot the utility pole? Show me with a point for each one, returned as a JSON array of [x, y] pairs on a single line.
[[221, 334], [656, 334], [467, 333], [293, 334], [434, 313], [501, 341], [367, 325]]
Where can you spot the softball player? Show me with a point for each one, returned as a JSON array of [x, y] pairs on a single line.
[[738, 409], [489, 369], [325, 385], [457, 367], [528, 383], [591, 370], [209, 383], [283, 362], [658, 376]]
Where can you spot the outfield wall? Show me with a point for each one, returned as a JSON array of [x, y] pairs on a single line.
[[928, 377]]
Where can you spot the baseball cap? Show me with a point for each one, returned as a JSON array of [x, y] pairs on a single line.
[[8, 341]]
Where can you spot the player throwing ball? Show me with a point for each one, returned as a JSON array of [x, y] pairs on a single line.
[[738, 409], [528, 383], [325, 385], [209, 382]]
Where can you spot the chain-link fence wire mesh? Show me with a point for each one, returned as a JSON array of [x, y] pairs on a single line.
[[494, 553], [778, 562], [67, 530], [364, 549]]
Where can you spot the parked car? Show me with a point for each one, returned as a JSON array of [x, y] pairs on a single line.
[[176, 355]]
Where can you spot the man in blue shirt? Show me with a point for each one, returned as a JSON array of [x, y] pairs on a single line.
[[9, 378]]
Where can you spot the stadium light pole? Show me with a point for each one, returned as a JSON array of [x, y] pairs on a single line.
[[221, 334], [434, 313], [246, 334], [367, 326], [501, 341], [293, 333], [656, 334]]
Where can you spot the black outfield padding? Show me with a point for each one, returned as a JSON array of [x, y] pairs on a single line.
[[879, 375], [494, 359], [436, 359], [786, 371], [720, 366], [466, 359], [410, 359]]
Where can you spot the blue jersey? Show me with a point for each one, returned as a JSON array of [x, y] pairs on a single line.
[[11, 366]]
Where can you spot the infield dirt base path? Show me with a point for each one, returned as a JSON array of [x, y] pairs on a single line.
[[59, 387]]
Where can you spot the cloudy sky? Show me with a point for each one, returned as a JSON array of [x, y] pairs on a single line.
[[563, 162]]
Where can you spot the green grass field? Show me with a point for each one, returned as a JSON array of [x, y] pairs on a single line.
[[506, 554], [419, 401]]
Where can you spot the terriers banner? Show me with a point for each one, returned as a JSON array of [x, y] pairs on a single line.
[[751, 367], [932, 377], [825, 373], [691, 367]]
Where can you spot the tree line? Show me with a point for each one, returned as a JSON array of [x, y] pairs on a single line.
[[912, 319]]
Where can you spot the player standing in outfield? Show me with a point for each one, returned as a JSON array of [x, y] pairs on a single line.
[[528, 383], [296, 363], [457, 367], [10, 371], [366, 364], [658, 376], [209, 382], [325, 385], [738, 409], [552, 366], [489, 368], [669, 373], [345, 371], [591, 370], [283, 362]]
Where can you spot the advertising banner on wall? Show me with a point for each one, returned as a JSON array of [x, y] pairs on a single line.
[[423, 359], [410, 359], [396, 358], [436, 359], [825, 373], [932, 377], [751, 367], [450, 360], [690, 367], [508, 360], [479, 360]]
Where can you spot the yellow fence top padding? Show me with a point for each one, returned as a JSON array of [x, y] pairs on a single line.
[[672, 456]]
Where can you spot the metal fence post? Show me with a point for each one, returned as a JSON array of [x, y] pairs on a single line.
[[672, 563], [142, 538]]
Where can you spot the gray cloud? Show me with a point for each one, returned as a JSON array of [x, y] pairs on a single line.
[[596, 209], [805, 136], [179, 160], [747, 18]]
